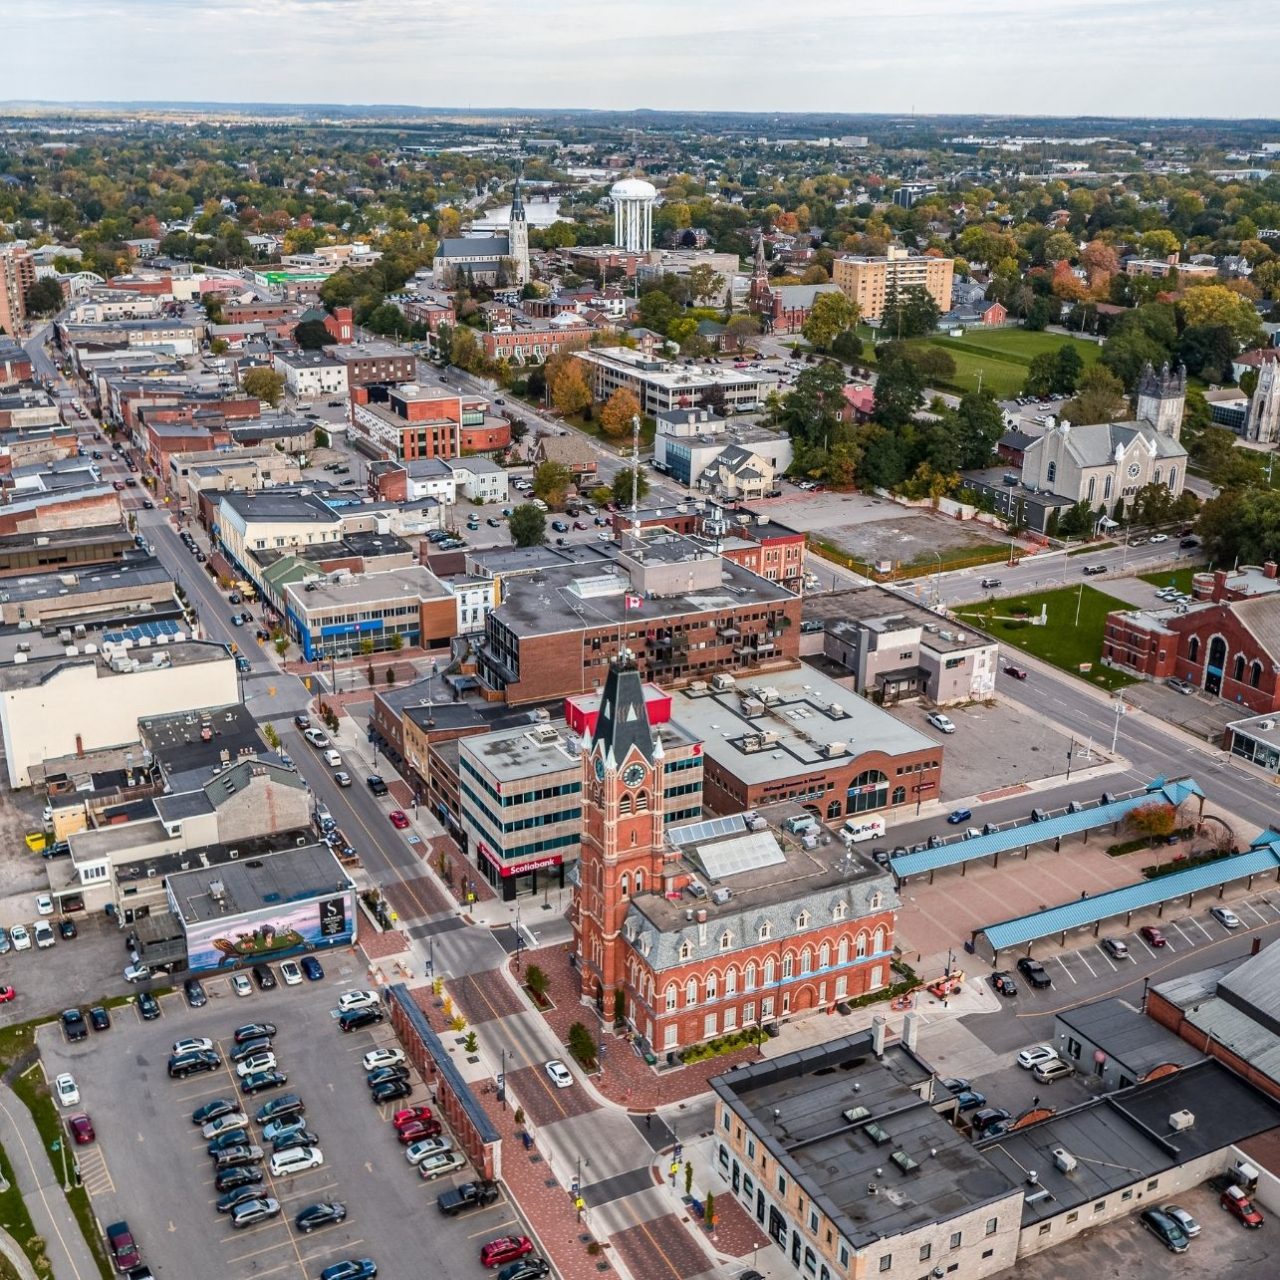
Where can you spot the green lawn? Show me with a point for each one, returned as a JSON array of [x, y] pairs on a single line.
[[1022, 344], [1180, 578], [1063, 642]]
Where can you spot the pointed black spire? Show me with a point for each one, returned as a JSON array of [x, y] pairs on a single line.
[[517, 200], [623, 722]]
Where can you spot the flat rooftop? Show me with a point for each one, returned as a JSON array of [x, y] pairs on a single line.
[[794, 1104], [234, 887], [179, 744], [668, 374], [413, 583], [1135, 1041], [181, 653], [566, 599], [886, 612], [276, 504], [786, 722]]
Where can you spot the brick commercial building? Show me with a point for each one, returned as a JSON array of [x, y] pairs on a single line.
[[15, 364], [1226, 642], [411, 421], [690, 932], [870, 282], [797, 736], [370, 362], [684, 612]]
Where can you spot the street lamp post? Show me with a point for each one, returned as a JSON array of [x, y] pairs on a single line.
[[502, 1081]]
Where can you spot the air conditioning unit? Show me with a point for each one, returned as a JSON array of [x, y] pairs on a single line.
[[1181, 1120], [1063, 1160]]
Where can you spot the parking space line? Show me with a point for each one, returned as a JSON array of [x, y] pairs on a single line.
[[1107, 958], [490, 1230], [1067, 971], [1143, 942], [1202, 929], [1188, 940], [1248, 906], [1080, 955]]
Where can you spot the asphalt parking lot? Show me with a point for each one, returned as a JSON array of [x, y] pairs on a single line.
[[150, 1166]]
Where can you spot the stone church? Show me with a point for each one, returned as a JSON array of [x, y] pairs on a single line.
[[1111, 461]]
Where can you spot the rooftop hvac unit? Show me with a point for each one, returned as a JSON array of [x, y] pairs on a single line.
[[545, 733], [1063, 1160], [1266, 725], [722, 681], [1181, 1120], [721, 896], [834, 749]]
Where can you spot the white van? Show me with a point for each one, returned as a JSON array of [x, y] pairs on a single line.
[[295, 1160], [858, 829], [332, 758]]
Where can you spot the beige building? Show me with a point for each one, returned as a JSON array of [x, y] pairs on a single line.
[[17, 275], [870, 281], [271, 521], [74, 702], [257, 467]]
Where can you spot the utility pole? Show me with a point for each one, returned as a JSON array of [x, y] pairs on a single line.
[[635, 476]]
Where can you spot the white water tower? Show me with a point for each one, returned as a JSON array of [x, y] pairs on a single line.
[[633, 201]]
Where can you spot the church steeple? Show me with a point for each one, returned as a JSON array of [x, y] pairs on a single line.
[[517, 201], [623, 722], [761, 267], [518, 234]]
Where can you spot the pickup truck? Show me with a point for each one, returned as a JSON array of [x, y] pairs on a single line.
[[470, 1195]]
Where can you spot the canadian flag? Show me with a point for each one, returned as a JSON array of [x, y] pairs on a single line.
[[633, 601]]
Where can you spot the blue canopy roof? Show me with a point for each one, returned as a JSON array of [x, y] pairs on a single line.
[[1133, 897], [956, 852]]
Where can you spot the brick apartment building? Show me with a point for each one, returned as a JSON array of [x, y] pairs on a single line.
[[372, 362], [410, 422], [871, 281], [17, 275], [536, 340], [1226, 643]]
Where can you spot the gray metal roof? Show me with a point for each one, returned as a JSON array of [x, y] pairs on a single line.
[[963, 850], [1134, 1041], [1133, 897]]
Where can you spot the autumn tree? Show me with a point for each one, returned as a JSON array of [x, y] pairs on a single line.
[[831, 314], [618, 412], [551, 481], [570, 392], [1215, 304], [706, 284], [1160, 243], [263, 384], [1156, 821]]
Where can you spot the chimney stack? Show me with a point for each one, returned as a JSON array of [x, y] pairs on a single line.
[[911, 1031], [877, 1035], [1269, 569]]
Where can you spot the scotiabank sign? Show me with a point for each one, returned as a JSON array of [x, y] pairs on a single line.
[[521, 868]]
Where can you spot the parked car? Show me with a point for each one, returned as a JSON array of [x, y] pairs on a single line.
[[1054, 1069], [940, 722], [989, 1117], [251, 1212], [531, 1268], [81, 1129], [504, 1249], [213, 1110], [970, 1100], [264, 976], [225, 1123], [354, 1019], [1152, 936], [1225, 917], [241, 985], [1188, 1224], [248, 1189], [74, 1026], [312, 968], [262, 1080], [955, 1084], [390, 1091], [99, 1017], [122, 1246], [1116, 948], [287, 1104], [350, 1269], [1182, 686], [382, 1058], [253, 1031], [321, 1214], [1237, 1203], [375, 784], [290, 972], [398, 819], [1034, 1055], [1003, 984], [1034, 972], [1165, 1228], [195, 993]]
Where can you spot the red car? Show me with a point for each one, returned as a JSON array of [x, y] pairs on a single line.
[[1152, 936], [124, 1252], [7, 994], [81, 1129], [409, 1114], [1233, 1200], [415, 1130], [1016, 672], [505, 1249], [398, 819]]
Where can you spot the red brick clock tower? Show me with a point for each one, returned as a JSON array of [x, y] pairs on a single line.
[[622, 834]]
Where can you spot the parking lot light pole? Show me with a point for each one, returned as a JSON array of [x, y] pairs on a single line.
[[59, 1145]]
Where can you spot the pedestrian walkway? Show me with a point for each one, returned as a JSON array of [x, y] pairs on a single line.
[[65, 1245]]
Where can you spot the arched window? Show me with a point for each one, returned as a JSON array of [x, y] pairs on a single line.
[[861, 949], [842, 951], [712, 985], [869, 790], [749, 978], [671, 997], [1106, 489], [639, 881], [899, 795], [731, 982], [841, 910], [802, 920], [1173, 478], [686, 950], [875, 901], [806, 961], [788, 965], [726, 940], [824, 956], [1051, 473], [691, 992], [765, 930], [768, 972], [1238, 668], [1255, 675], [642, 802], [1093, 483], [879, 941], [1155, 479], [624, 804], [626, 885], [1193, 649]]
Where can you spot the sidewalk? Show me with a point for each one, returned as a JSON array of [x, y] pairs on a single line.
[[65, 1246]]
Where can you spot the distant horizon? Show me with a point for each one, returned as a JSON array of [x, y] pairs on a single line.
[[1143, 59]]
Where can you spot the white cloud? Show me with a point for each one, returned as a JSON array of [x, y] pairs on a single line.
[[1090, 57]]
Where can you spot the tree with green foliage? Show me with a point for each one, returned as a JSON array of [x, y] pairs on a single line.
[[812, 409], [570, 391], [263, 384], [551, 481], [1042, 312], [528, 526], [706, 284], [909, 313], [582, 1044], [1077, 521], [536, 979], [1215, 304], [899, 386], [311, 335], [977, 425], [740, 331], [622, 485], [44, 298], [656, 311], [1100, 398], [831, 315], [847, 346], [886, 457], [1207, 351]]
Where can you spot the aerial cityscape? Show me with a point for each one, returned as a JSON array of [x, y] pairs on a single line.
[[709, 634]]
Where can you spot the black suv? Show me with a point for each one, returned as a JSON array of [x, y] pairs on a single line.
[[73, 1024], [182, 1065], [1034, 972], [354, 1019], [376, 784], [287, 1104], [263, 976], [194, 992]]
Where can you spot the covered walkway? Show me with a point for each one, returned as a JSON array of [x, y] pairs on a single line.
[[1262, 859], [1078, 819]]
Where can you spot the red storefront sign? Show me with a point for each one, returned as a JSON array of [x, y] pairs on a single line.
[[520, 868]]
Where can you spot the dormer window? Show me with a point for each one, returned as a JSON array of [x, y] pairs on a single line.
[[802, 920], [841, 910], [726, 940], [876, 900], [686, 950], [765, 930]]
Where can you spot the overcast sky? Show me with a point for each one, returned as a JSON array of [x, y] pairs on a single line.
[[1095, 57]]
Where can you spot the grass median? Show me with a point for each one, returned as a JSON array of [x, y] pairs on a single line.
[[1071, 639]]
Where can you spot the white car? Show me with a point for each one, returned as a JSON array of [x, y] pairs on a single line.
[[1036, 1054], [295, 1160], [1223, 915], [20, 938], [1158, 537], [417, 1152], [44, 904], [559, 1073], [331, 758], [241, 985], [940, 722], [256, 1062], [193, 1044], [290, 972], [44, 934], [64, 1087], [382, 1058], [358, 1000]]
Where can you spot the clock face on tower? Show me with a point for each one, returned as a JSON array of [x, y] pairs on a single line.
[[600, 768], [633, 775]]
